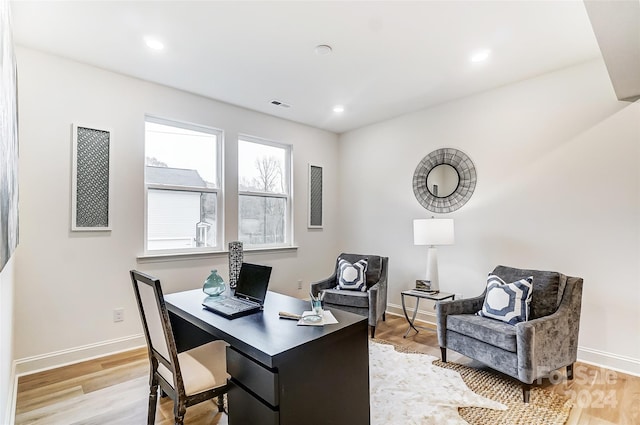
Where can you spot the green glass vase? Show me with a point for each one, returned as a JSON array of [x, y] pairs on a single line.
[[214, 285]]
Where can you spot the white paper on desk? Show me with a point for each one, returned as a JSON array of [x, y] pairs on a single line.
[[327, 319]]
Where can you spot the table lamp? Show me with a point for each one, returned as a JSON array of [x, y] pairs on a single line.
[[432, 232]]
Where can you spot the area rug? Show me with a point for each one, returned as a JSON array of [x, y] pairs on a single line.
[[407, 389], [413, 388]]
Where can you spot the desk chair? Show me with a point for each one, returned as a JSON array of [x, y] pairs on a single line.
[[190, 377]]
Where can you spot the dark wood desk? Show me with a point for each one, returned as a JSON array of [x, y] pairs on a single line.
[[282, 373]]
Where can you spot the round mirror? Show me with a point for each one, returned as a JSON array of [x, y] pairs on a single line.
[[442, 180]]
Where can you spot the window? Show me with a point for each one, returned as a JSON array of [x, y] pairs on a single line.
[[183, 187], [264, 194]]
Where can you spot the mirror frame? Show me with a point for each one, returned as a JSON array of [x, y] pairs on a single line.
[[467, 184]]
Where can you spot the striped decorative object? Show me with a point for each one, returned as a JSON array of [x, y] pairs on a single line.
[[352, 276]]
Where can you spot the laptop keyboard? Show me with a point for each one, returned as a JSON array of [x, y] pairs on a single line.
[[234, 304]]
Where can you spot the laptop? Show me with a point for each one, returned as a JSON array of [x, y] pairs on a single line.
[[248, 297]]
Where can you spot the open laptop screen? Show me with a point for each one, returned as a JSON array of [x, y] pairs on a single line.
[[253, 282]]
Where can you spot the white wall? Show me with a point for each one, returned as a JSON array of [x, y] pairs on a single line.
[[558, 160], [69, 283], [7, 277]]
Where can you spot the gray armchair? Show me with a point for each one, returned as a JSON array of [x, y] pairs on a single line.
[[371, 303], [528, 350]]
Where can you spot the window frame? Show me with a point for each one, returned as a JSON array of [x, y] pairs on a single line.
[[288, 196], [218, 190]]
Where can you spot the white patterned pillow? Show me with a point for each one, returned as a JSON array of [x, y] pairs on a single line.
[[508, 302], [352, 276]]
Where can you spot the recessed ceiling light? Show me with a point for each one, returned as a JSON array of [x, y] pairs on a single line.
[[323, 49], [153, 43], [480, 55], [338, 109]]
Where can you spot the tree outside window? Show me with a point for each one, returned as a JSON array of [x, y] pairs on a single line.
[[264, 195]]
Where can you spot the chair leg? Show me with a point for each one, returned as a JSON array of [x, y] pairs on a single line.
[[220, 402], [384, 317], [179, 410], [443, 354], [153, 402], [570, 372], [373, 331], [526, 392]]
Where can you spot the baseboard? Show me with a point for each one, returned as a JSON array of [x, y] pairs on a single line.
[[56, 359], [422, 315], [611, 361], [591, 356]]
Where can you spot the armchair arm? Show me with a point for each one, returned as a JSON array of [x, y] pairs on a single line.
[[378, 295], [550, 342], [321, 285], [446, 308]]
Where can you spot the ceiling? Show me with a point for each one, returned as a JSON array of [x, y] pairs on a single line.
[[388, 57]]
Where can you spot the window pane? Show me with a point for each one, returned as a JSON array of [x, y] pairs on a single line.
[[261, 168], [179, 156], [262, 220], [180, 219]]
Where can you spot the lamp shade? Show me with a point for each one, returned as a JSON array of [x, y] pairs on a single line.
[[433, 231]]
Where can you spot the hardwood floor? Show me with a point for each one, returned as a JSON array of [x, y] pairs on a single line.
[[114, 390]]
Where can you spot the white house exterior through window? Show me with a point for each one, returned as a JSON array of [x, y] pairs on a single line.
[[183, 187]]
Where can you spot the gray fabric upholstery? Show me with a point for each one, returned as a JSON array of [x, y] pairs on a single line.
[[372, 303], [544, 299], [346, 298], [542, 344], [493, 332]]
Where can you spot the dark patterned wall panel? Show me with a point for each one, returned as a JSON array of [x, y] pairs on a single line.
[[92, 184], [315, 196]]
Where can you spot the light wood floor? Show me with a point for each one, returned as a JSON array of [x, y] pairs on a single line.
[[113, 390]]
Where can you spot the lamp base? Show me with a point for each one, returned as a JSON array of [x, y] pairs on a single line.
[[432, 268]]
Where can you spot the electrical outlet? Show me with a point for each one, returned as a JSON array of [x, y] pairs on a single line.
[[118, 315], [299, 283]]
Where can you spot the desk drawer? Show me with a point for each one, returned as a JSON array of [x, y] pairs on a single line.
[[254, 376], [245, 409]]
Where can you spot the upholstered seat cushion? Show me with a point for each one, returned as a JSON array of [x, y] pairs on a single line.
[[494, 332], [203, 368], [346, 298]]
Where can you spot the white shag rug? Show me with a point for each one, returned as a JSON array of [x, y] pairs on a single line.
[[407, 389]]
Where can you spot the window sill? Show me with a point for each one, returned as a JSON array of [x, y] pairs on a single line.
[[181, 256]]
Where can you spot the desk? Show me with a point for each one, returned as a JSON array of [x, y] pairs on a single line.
[[439, 296], [282, 373]]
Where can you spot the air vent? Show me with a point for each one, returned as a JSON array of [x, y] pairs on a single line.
[[280, 104]]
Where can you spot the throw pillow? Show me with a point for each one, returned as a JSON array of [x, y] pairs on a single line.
[[508, 302], [352, 276]]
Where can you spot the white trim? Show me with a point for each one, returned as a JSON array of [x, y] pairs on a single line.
[[60, 358], [289, 236], [423, 315], [611, 361], [74, 180], [218, 190], [10, 413], [178, 256]]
